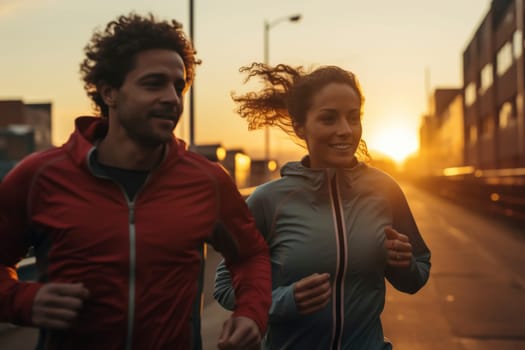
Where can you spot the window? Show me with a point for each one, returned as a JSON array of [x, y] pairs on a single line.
[[517, 44], [486, 78], [487, 126], [473, 134], [504, 58], [470, 94], [507, 114]]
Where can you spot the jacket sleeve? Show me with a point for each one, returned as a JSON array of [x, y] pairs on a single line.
[[283, 305], [16, 297], [223, 290], [245, 253], [283, 302], [414, 278]]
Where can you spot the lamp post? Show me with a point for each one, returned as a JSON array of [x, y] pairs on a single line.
[[267, 27], [521, 90], [192, 90]]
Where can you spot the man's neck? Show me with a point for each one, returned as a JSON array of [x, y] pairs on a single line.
[[127, 154]]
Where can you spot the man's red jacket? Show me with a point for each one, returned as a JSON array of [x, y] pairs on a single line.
[[139, 259]]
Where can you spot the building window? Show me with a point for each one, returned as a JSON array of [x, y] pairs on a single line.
[[473, 134], [517, 44], [487, 127], [509, 17], [507, 114], [504, 58], [486, 78], [470, 94]]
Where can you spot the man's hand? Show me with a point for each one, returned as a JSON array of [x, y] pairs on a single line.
[[56, 305], [312, 293], [239, 333]]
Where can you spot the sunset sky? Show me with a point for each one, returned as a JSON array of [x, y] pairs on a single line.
[[387, 44]]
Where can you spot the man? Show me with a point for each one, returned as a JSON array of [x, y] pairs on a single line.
[[119, 213]]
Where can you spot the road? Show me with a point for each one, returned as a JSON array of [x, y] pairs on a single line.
[[475, 297]]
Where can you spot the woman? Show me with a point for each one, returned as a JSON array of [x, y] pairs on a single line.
[[336, 227]]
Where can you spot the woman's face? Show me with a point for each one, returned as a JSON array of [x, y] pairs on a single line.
[[332, 129]]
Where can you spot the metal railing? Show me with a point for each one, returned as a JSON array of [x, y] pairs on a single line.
[[499, 191]]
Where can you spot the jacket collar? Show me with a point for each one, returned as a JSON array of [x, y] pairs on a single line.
[[319, 177], [90, 130]]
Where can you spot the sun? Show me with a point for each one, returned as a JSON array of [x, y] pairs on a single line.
[[395, 142]]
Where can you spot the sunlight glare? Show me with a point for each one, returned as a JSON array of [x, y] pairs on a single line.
[[395, 142]]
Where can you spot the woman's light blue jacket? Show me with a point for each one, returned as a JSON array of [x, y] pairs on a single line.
[[332, 220]]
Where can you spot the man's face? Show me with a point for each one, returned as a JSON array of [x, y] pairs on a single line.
[[148, 105]]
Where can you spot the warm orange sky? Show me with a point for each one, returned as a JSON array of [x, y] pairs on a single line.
[[388, 44]]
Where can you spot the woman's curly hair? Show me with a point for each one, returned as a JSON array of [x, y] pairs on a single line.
[[287, 96], [111, 53]]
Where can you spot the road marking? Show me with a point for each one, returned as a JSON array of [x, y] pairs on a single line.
[[458, 234], [453, 231]]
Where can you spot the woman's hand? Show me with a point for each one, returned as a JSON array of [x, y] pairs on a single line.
[[398, 248], [312, 293]]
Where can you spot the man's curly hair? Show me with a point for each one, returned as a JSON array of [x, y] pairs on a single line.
[[111, 53]]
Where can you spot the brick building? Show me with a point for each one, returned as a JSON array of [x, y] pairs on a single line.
[[494, 78], [24, 128]]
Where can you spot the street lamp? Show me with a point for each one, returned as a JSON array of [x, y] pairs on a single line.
[[267, 27]]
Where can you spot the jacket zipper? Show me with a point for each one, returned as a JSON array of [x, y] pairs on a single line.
[[132, 249], [342, 261], [132, 266]]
